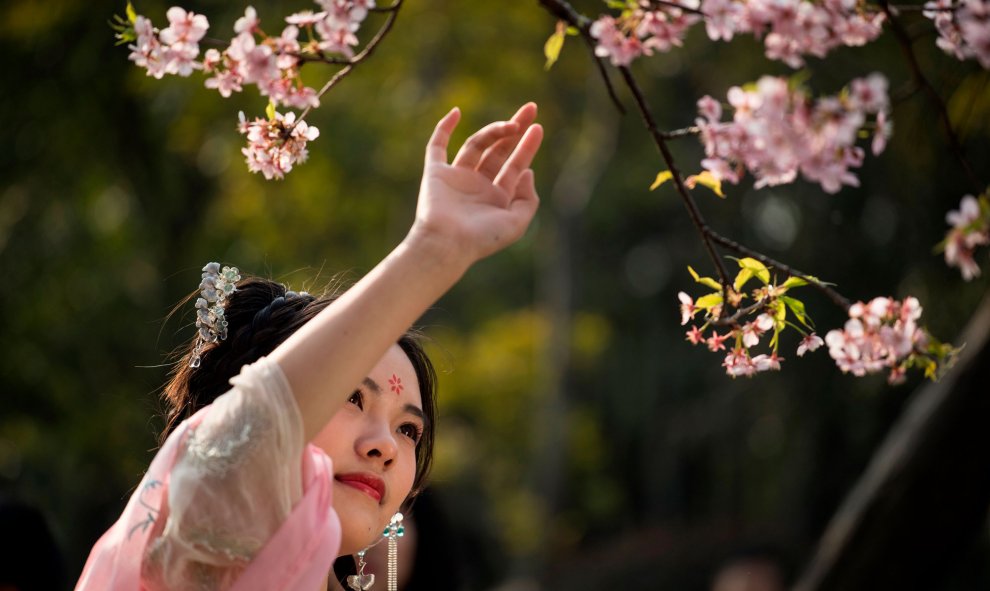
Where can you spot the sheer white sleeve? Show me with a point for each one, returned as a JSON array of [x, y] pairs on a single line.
[[235, 480]]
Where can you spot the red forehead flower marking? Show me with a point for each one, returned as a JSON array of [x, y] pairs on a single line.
[[395, 384]]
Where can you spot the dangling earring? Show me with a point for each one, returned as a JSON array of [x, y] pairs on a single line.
[[360, 581], [393, 532]]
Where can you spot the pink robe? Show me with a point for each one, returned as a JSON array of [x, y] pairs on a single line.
[[227, 503]]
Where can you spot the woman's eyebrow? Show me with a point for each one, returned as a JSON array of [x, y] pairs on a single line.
[[415, 411], [372, 385]]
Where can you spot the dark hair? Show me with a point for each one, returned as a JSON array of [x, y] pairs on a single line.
[[261, 314]]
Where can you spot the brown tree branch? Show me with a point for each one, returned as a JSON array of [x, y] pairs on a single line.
[[693, 212]]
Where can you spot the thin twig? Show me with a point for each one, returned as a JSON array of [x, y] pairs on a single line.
[[393, 13], [731, 244], [905, 42], [739, 313], [566, 13], [320, 58], [679, 133]]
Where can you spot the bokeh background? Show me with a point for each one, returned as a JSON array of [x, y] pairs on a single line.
[[583, 443]]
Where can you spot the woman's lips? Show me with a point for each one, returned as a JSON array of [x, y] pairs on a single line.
[[369, 484]]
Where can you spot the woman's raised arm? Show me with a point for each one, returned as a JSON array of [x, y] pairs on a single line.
[[468, 209]]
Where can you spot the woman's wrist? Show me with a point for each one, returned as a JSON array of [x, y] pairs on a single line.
[[438, 253]]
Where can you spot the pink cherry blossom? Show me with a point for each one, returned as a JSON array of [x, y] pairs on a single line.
[[809, 343], [695, 336], [184, 27], [621, 48], [970, 230], [247, 23], [879, 335], [147, 51], [225, 78], [716, 342], [255, 63], [777, 132], [688, 309], [305, 18], [738, 363], [275, 146], [765, 362], [963, 28], [182, 40], [790, 29]]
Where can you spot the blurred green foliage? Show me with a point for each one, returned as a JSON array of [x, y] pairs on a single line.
[[116, 188]]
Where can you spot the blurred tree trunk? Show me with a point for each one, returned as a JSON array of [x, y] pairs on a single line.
[[591, 150], [923, 500]]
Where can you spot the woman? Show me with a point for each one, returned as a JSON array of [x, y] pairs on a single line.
[[234, 499]]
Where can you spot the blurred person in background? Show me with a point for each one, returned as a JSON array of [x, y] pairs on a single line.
[[30, 560]]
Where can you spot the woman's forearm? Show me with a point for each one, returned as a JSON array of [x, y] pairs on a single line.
[[325, 360]]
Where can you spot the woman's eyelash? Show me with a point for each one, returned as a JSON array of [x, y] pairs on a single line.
[[357, 398], [411, 431]]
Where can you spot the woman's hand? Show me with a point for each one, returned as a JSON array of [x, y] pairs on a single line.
[[467, 210], [485, 199]]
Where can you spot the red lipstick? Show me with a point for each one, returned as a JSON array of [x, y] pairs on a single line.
[[365, 482]]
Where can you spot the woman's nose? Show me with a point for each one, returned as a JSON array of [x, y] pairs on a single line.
[[377, 443]]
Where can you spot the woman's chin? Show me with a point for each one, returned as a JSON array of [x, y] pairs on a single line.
[[356, 538]]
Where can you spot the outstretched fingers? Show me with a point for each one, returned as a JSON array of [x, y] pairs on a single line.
[[518, 162], [436, 149], [495, 156], [474, 148]]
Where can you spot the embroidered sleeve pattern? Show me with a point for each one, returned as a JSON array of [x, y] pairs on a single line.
[[234, 482]]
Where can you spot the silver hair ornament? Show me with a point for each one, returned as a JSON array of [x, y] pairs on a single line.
[[214, 289]]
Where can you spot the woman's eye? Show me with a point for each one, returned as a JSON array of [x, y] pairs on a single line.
[[411, 431], [357, 399]]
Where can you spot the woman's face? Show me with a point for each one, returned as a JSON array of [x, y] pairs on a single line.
[[372, 442]]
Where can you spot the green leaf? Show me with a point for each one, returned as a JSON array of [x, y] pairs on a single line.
[[662, 178], [131, 13], [759, 269], [797, 307], [708, 301], [551, 49], [741, 279], [779, 313], [617, 4], [793, 282], [707, 179], [706, 281], [270, 111], [572, 31]]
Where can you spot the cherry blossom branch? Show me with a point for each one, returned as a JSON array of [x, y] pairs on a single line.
[[563, 10], [921, 81], [730, 244], [393, 13], [566, 13]]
